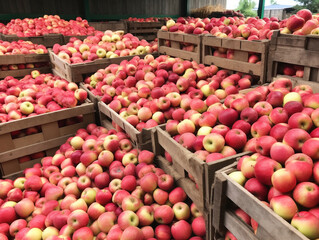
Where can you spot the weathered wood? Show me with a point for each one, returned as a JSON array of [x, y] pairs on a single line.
[[242, 48], [270, 225], [47, 40], [51, 134], [295, 50], [176, 41]]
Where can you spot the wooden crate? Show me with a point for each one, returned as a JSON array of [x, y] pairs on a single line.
[[176, 41], [142, 140], [228, 192], [111, 25], [144, 30], [47, 40], [186, 162], [24, 59], [52, 134], [241, 48], [297, 50], [78, 72]]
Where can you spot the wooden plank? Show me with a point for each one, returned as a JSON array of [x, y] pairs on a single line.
[[46, 118], [235, 65], [297, 56], [23, 58], [32, 148], [174, 50], [22, 141], [237, 227], [22, 72], [46, 40], [257, 210]]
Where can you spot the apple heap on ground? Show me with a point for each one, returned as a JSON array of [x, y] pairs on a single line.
[[37, 94], [103, 45], [30, 27], [97, 186], [147, 92], [251, 28], [283, 171]]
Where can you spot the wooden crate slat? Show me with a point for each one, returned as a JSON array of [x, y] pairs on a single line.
[[296, 56], [34, 138], [242, 49], [47, 40], [175, 50], [23, 72], [235, 65], [8, 167], [295, 50], [178, 52], [46, 118], [237, 227], [32, 148], [6, 141], [257, 210]]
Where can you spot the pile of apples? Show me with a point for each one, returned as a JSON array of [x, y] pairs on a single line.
[[97, 186], [301, 23], [37, 94], [103, 45], [147, 92], [30, 27], [227, 27], [281, 123], [252, 28], [21, 47]]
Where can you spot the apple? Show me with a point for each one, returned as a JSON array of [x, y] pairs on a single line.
[[295, 138], [301, 166], [236, 139], [280, 152], [106, 221], [213, 142], [284, 206], [181, 230], [306, 194], [283, 180], [256, 188], [306, 223], [264, 170], [127, 218], [164, 214], [78, 219], [145, 215]]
